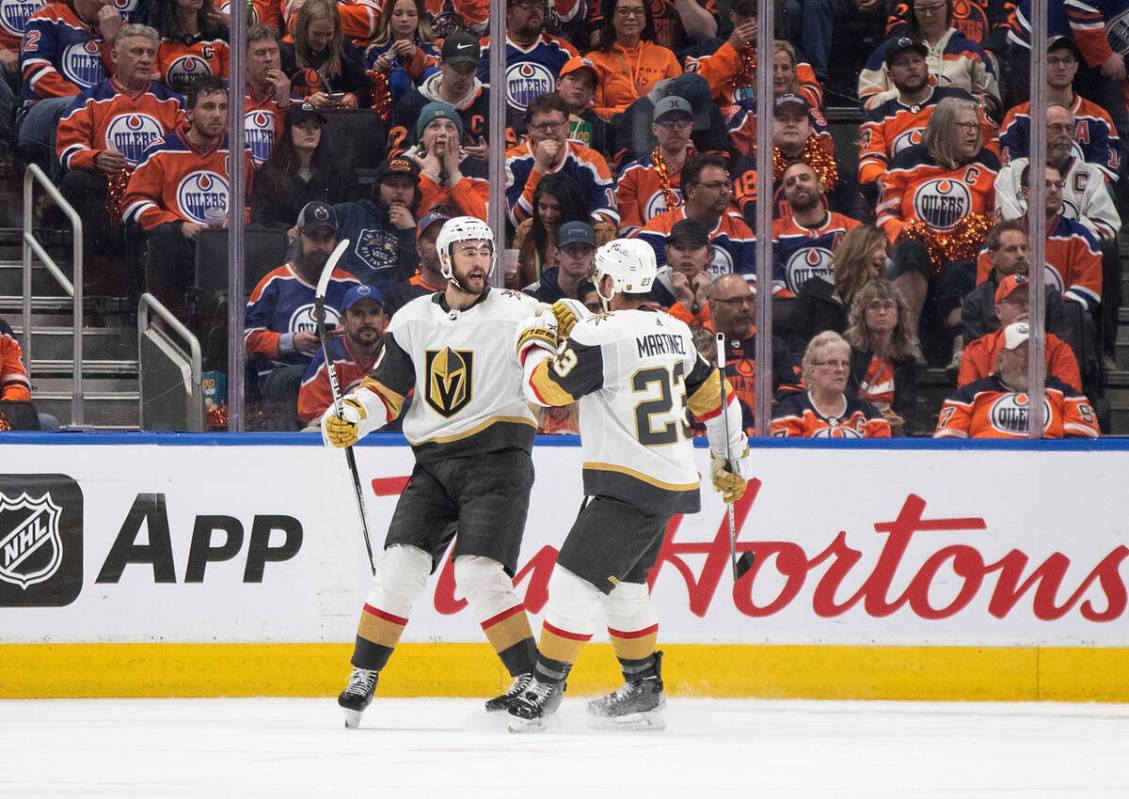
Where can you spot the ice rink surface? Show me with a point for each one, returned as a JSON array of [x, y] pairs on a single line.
[[450, 748]]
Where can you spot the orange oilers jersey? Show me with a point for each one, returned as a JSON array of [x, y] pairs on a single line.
[[1073, 262], [877, 385], [989, 409], [263, 12], [796, 417], [315, 395], [14, 384], [893, 126], [470, 194], [722, 71], [623, 76], [180, 64], [175, 182], [263, 124], [917, 187], [979, 360], [639, 195], [802, 253], [358, 18], [447, 16], [108, 117]]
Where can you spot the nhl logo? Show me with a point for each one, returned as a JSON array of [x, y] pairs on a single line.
[[30, 547], [525, 81]]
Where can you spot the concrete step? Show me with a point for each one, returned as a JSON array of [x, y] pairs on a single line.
[[42, 282], [11, 304], [98, 343], [65, 368], [90, 385]]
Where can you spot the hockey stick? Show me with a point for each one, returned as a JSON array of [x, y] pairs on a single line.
[[740, 564], [350, 458]]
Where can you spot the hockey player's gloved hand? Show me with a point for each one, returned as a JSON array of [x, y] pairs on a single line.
[[345, 431], [537, 331], [566, 318], [730, 484]]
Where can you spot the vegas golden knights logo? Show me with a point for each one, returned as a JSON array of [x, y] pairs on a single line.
[[449, 375]]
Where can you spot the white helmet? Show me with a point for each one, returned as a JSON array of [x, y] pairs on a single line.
[[631, 265], [461, 228]]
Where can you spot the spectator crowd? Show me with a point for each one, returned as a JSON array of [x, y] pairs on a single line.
[[624, 118]]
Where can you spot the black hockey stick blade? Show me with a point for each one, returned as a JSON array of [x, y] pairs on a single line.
[[742, 565]]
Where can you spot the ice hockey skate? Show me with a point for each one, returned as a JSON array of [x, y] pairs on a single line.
[[530, 710], [357, 696], [503, 701], [637, 705]]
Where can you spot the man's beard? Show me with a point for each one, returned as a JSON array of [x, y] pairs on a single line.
[[311, 263], [812, 201]]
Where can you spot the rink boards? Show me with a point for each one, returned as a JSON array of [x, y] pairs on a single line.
[[175, 565]]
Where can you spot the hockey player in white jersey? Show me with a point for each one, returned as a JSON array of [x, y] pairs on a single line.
[[636, 374], [472, 430]]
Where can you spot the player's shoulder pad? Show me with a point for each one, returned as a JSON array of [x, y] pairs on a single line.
[[509, 303]]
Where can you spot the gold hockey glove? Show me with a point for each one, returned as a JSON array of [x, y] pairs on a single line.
[[343, 431], [566, 319], [731, 486]]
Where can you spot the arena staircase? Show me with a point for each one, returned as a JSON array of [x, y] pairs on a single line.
[[109, 398]]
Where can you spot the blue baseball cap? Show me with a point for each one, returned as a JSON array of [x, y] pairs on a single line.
[[362, 292], [437, 110]]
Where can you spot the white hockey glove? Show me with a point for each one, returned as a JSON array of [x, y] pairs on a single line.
[[344, 431], [731, 479], [538, 331]]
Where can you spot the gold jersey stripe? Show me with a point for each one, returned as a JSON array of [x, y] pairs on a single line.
[[508, 632], [708, 396], [646, 478], [634, 648], [478, 428], [379, 630], [395, 401], [557, 647], [547, 388]]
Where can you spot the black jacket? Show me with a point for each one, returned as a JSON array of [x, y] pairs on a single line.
[[817, 308], [905, 384], [279, 194]]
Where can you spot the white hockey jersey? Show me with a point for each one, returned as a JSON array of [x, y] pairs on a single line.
[[637, 375], [1085, 196], [468, 389]]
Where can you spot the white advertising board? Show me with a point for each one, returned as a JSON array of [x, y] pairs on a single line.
[[244, 542]]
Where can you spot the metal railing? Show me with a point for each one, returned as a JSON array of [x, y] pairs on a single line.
[[31, 245], [195, 358]]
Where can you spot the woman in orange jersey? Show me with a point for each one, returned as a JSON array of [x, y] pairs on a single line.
[[936, 208], [628, 62], [193, 43], [826, 410], [883, 367], [323, 68]]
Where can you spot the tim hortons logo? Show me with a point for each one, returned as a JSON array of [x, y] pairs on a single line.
[[1052, 588], [30, 547]]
